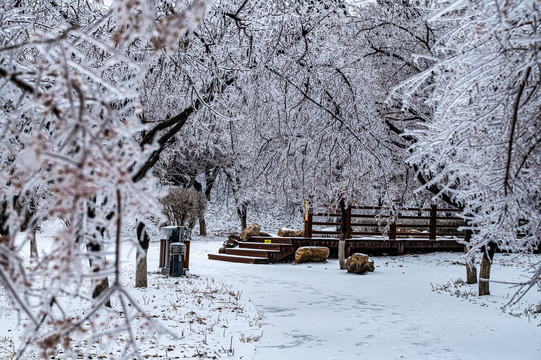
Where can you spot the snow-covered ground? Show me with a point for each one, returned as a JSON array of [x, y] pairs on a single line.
[[411, 307], [207, 318]]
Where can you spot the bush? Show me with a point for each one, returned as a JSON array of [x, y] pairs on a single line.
[[183, 207]]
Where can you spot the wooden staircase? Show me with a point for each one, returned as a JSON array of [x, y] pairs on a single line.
[[259, 250]]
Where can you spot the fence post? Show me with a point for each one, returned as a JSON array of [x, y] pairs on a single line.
[[308, 220], [433, 221], [392, 231], [348, 220]]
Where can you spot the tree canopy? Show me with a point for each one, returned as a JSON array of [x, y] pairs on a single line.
[[403, 103]]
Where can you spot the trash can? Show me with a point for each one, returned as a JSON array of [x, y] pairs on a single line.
[[176, 263], [172, 235], [175, 233]]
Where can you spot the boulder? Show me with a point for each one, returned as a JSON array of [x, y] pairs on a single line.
[[252, 230], [359, 263], [284, 232], [234, 236], [232, 241], [311, 254], [413, 231]]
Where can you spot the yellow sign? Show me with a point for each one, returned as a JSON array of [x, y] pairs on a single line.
[[306, 212], [268, 241]]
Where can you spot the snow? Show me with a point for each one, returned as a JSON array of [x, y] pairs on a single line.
[[206, 318], [319, 311], [411, 307]]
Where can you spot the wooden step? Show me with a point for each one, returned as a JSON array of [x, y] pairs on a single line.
[[266, 246], [239, 259], [273, 255], [252, 252], [270, 239]]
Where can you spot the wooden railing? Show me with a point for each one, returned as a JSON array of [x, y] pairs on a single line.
[[365, 221]]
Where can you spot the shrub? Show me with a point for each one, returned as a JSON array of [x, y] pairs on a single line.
[[183, 207]]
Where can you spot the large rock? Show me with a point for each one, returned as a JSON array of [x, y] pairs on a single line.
[[232, 241], [311, 254], [285, 232], [359, 263], [252, 230]]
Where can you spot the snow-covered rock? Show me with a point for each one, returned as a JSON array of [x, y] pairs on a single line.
[[252, 230], [232, 241], [285, 232], [359, 263], [311, 254]]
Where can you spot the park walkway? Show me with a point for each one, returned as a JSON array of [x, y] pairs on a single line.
[[319, 312]]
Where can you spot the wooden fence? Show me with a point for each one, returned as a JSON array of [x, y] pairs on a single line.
[[370, 221]]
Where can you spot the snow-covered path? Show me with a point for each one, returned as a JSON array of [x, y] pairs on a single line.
[[319, 312]]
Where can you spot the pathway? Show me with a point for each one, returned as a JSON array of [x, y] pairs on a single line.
[[319, 312]]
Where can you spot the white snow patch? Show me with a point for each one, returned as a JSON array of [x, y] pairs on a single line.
[[320, 312], [411, 307]]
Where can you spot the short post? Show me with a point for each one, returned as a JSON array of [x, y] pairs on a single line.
[[164, 255], [308, 220], [392, 231], [433, 221], [186, 264], [348, 222]]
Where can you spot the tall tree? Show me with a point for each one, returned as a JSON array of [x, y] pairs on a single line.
[[69, 118], [481, 146]]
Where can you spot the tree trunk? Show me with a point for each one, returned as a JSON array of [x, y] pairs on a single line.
[[4, 216], [484, 273], [28, 225], [342, 252], [343, 232], [471, 270], [210, 178], [242, 211], [202, 226], [141, 272], [243, 222], [94, 247], [4, 259], [141, 268], [100, 288], [242, 206], [99, 285], [34, 245]]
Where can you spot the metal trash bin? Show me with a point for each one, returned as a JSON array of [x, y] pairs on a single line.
[[177, 253], [172, 235]]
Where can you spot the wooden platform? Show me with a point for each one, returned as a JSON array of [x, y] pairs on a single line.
[[239, 258], [264, 250], [368, 229]]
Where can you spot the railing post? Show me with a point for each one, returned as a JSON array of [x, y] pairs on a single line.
[[308, 220], [433, 221], [348, 222], [392, 231]]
